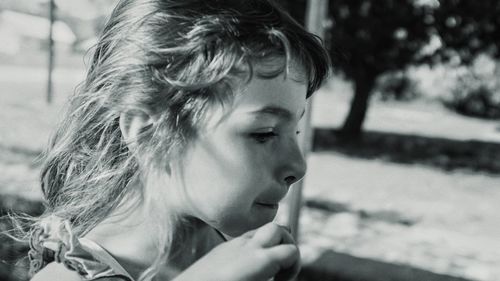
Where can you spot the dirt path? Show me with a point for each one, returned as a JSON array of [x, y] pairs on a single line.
[[443, 222]]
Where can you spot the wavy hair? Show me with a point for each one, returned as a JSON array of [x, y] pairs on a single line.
[[172, 60]]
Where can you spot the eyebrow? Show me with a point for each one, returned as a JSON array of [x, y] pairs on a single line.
[[278, 111]]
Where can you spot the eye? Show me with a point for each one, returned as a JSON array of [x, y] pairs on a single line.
[[263, 137], [297, 132]]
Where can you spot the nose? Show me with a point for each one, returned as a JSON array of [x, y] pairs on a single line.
[[294, 165]]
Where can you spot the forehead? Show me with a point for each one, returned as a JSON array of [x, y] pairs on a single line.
[[275, 66], [261, 96], [278, 90], [266, 96]]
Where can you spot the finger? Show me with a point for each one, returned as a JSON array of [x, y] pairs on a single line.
[[249, 234], [287, 236], [271, 234], [287, 228], [288, 258], [289, 273]]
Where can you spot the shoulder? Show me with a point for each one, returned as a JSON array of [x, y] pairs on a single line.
[[55, 272], [58, 272]]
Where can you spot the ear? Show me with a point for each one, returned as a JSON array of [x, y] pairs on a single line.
[[132, 124]]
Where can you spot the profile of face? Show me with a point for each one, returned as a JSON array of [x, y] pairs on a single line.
[[237, 171]]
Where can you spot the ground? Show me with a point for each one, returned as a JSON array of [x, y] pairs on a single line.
[[420, 215]]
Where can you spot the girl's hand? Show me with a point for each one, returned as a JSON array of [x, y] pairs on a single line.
[[257, 255]]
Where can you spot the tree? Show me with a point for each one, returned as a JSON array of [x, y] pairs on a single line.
[[467, 28], [370, 38]]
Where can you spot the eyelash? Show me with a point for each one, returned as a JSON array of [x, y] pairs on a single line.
[[263, 137], [266, 136]]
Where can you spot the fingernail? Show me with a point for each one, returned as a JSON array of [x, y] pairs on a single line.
[[287, 228]]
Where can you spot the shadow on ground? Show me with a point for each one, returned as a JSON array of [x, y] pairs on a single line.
[[446, 154], [332, 266]]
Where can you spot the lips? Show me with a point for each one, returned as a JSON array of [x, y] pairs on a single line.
[[268, 205], [272, 197]]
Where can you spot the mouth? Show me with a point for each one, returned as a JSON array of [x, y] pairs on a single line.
[[268, 205]]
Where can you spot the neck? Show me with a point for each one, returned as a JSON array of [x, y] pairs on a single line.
[[127, 236]]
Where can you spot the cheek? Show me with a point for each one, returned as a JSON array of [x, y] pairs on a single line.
[[222, 177], [233, 158]]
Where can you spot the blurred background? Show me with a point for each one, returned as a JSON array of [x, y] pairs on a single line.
[[404, 174]]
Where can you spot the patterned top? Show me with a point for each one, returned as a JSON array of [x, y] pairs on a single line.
[[53, 241]]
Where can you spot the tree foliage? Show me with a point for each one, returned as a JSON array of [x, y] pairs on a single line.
[[376, 36], [467, 28], [370, 38]]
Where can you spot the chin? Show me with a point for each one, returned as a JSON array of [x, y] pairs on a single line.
[[235, 231], [239, 228]]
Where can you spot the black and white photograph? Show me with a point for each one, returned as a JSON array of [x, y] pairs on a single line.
[[250, 140]]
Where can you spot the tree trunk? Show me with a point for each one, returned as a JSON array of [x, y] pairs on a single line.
[[363, 85]]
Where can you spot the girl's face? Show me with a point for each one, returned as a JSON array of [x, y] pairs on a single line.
[[241, 166]]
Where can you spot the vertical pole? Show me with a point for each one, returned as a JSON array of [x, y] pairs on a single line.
[[317, 11], [51, 50]]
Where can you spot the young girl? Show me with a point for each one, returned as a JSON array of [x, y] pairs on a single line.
[[182, 137]]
